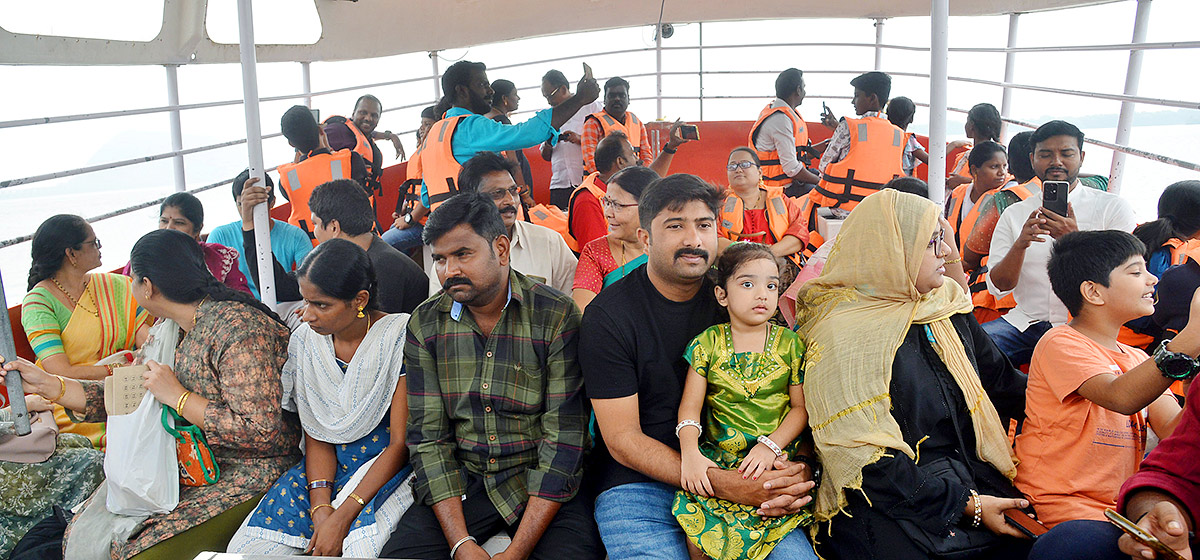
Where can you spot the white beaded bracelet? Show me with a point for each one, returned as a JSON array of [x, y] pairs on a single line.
[[460, 542], [770, 445], [686, 423]]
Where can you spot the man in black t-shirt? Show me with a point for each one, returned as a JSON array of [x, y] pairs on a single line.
[[631, 348]]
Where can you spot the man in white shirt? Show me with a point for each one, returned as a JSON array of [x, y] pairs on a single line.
[[779, 135], [566, 157], [535, 251], [1020, 251]]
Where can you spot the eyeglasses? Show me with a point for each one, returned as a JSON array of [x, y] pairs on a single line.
[[938, 239], [741, 164], [95, 242], [499, 194], [552, 92], [610, 203]]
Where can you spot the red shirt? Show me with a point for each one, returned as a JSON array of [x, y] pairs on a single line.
[[1174, 466], [587, 216]]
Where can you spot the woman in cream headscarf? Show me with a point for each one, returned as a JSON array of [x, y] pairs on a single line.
[[898, 380]]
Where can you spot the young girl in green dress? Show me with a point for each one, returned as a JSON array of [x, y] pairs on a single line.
[[743, 408]]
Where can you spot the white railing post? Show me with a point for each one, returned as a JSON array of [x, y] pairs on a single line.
[[262, 217], [658, 67], [939, 54], [1141, 24], [437, 76], [879, 44], [1010, 67], [306, 82], [700, 51], [176, 125]]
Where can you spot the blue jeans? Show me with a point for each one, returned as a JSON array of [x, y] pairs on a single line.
[[1082, 539], [1017, 345], [635, 521], [404, 240]]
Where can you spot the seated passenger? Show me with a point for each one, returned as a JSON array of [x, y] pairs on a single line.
[[780, 137], [289, 244], [359, 133], [755, 212], [864, 152], [1085, 429], [1170, 239], [983, 125], [405, 233], [535, 251], [916, 460], [497, 425], [345, 378], [184, 212], [315, 164], [988, 166], [565, 157], [74, 319], [607, 259], [1018, 253], [1019, 152], [224, 380], [900, 112]]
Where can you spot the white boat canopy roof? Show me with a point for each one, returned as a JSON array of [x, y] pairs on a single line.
[[374, 28]]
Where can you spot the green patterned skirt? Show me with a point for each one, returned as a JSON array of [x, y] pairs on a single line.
[[29, 492]]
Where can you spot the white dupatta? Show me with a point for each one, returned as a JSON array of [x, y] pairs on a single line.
[[337, 407]]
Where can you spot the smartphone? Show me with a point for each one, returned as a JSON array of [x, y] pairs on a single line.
[[825, 109], [1054, 196], [689, 132], [1141, 535], [587, 70], [1031, 527]]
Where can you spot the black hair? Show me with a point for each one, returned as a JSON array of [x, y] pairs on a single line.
[[1052, 129], [900, 111], [876, 83], [239, 183], [458, 74], [1178, 216], [910, 185], [372, 98], [1019, 148], [983, 152], [608, 149], [614, 82], [555, 78], [472, 208], [501, 88], [341, 269], [787, 82], [672, 193], [739, 254], [188, 205], [300, 128], [429, 112], [481, 164], [174, 262], [634, 180], [748, 150], [50, 244], [343, 200], [1088, 256], [986, 120]]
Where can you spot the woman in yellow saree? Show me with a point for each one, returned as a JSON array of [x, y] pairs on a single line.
[[72, 318]]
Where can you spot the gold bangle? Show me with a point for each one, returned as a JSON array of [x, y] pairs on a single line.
[[182, 401], [62, 389], [313, 510], [955, 261], [356, 498]]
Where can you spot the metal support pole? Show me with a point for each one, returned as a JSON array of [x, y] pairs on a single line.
[[262, 227], [1141, 24], [12, 380], [878, 44], [176, 126], [700, 50], [939, 54], [1010, 67], [306, 82], [437, 75], [658, 67]]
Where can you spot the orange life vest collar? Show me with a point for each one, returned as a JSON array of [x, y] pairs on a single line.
[[439, 170], [632, 127]]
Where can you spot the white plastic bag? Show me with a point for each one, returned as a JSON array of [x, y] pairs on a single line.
[[141, 463]]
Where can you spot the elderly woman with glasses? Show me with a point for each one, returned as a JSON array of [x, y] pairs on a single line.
[[606, 259], [758, 213]]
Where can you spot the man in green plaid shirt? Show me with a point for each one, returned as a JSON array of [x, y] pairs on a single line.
[[497, 425]]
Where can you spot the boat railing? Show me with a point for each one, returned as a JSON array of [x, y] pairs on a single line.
[[1129, 99]]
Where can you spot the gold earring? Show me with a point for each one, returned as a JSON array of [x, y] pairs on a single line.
[[360, 312]]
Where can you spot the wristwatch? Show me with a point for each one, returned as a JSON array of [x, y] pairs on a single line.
[[407, 218], [1175, 365]]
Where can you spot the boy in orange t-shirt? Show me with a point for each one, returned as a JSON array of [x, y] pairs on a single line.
[[1089, 397]]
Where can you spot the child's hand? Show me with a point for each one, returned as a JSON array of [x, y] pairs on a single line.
[[757, 461], [695, 473]]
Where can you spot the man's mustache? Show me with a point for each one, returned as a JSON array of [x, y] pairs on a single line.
[[507, 209], [692, 252], [456, 281]]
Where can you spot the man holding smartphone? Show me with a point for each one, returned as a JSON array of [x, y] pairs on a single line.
[[1020, 249]]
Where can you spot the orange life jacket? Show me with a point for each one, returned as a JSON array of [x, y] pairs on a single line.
[[772, 168], [808, 212], [589, 185], [733, 219], [299, 180], [987, 307], [554, 218], [875, 157], [961, 166], [632, 128], [438, 168]]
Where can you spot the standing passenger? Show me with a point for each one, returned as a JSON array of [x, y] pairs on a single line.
[[565, 157], [780, 137]]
